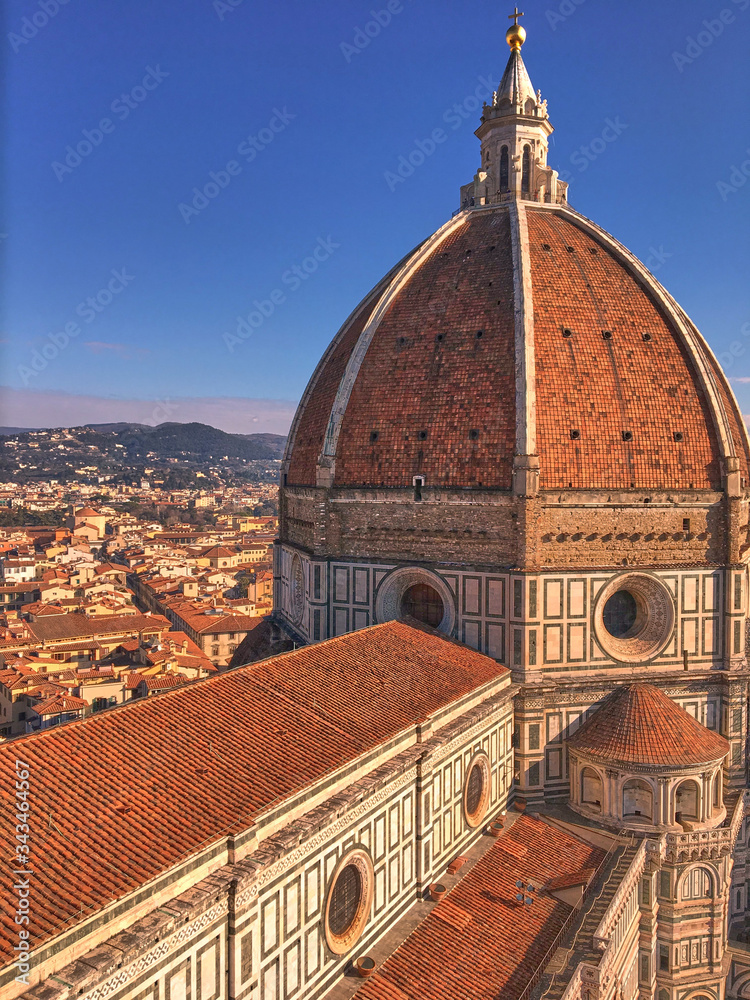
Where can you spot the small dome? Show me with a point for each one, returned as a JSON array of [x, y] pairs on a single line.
[[640, 725]]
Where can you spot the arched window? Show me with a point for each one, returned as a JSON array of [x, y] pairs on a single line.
[[591, 788], [717, 789], [526, 174], [697, 884], [637, 799], [687, 802], [504, 170]]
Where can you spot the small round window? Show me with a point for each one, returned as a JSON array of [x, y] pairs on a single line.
[[477, 789], [348, 901]]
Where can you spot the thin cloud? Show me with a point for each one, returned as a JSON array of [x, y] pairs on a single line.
[[120, 350], [38, 408]]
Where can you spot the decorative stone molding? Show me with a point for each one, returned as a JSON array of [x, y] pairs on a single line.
[[358, 858], [392, 589], [160, 951], [297, 590], [474, 818], [654, 622], [293, 858]]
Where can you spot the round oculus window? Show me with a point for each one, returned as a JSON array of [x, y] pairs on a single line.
[[620, 615], [423, 603], [477, 789], [634, 618], [348, 901]]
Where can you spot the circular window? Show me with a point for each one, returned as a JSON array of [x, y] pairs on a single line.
[[423, 603], [477, 789], [620, 615], [348, 901], [298, 589], [414, 592], [634, 618]]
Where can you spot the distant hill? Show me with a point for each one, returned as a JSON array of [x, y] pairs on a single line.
[[170, 440], [197, 440]]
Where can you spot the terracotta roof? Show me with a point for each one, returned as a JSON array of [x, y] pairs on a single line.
[[484, 945], [164, 682], [60, 703], [263, 732], [75, 626], [639, 724], [431, 397]]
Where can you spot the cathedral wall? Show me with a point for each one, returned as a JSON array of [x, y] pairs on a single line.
[[661, 531], [547, 716], [412, 829], [540, 624], [257, 929]]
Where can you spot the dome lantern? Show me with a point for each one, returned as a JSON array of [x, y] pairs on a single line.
[[514, 133]]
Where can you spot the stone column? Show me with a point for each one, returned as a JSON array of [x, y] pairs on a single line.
[[663, 813]]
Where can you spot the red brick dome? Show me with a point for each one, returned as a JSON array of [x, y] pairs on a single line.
[[639, 724], [517, 331]]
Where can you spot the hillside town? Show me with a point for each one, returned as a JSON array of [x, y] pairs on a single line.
[[104, 601]]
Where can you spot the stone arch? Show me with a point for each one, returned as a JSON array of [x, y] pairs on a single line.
[[687, 801], [638, 799], [591, 788], [698, 882]]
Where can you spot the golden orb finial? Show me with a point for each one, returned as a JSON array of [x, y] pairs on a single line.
[[515, 36]]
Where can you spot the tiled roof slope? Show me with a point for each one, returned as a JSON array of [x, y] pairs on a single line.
[[604, 387], [639, 724], [427, 371], [311, 421], [200, 762], [494, 950], [73, 626]]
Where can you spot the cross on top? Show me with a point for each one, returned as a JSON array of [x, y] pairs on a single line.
[[515, 15]]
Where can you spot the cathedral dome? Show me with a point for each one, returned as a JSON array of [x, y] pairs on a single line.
[[518, 330], [520, 335]]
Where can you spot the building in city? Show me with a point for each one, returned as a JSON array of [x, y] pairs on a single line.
[[505, 755]]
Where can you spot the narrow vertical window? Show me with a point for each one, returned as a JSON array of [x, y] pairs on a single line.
[[504, 170], [526, 175]]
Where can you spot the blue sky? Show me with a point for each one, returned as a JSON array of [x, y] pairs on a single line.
[[313, 121]]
